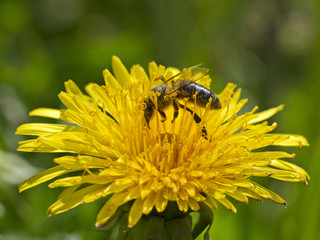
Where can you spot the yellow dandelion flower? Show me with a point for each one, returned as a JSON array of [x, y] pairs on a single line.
[[133, 145]]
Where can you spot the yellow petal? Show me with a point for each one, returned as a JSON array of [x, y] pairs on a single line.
[[153, 69], [111, 207], [266, 193], [193, 204], [110, 80], [69, 190], [71, 102], [271, 155], [46, 112], [135, 212], [238, 195], [149, 202], [146, 190], [250, 194], [291, 140], [284, 175], [199, 197], [62, 142], [77, 180], [99, 95], [109, 189], [289, 166], [120, 71], [139, 74], [66, 182], [190, 189], [267, 114], [69, 201], [72, 88], [43, 176], [161, 202], [183, 205], [133, 193], [210, 203], [81, 162], [170, 72], [183, 194], [227, 204], [155, 72], [42, 129]]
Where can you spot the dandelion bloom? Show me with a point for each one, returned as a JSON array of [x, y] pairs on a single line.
[[116, 155]]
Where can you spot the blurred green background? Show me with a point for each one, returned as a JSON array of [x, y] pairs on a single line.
[[269, 48]]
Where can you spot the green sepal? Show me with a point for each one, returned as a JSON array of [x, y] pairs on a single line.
[[171, 212], [123, 228], [138, 231], [180, 228], [205, 220], [154, 228]]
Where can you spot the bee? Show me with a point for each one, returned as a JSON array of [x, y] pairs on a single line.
[[182, 88]]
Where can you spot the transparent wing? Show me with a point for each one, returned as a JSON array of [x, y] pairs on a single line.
[[192, 74]]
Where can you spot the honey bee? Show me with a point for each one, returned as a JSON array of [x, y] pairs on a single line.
[[182, 88]]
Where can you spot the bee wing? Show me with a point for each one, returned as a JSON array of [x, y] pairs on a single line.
[[192, 73], [196, 74]]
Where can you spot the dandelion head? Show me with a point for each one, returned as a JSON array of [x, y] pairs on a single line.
[[146, 142]]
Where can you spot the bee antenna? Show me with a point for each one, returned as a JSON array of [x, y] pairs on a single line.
[[162, 78]]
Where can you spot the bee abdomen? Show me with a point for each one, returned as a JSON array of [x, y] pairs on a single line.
[[189, 89]]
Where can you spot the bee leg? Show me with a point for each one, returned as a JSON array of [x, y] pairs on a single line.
[[176, 110], [147, 120], [204, 132], [197, 119], [148, 111], [162, 115]]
